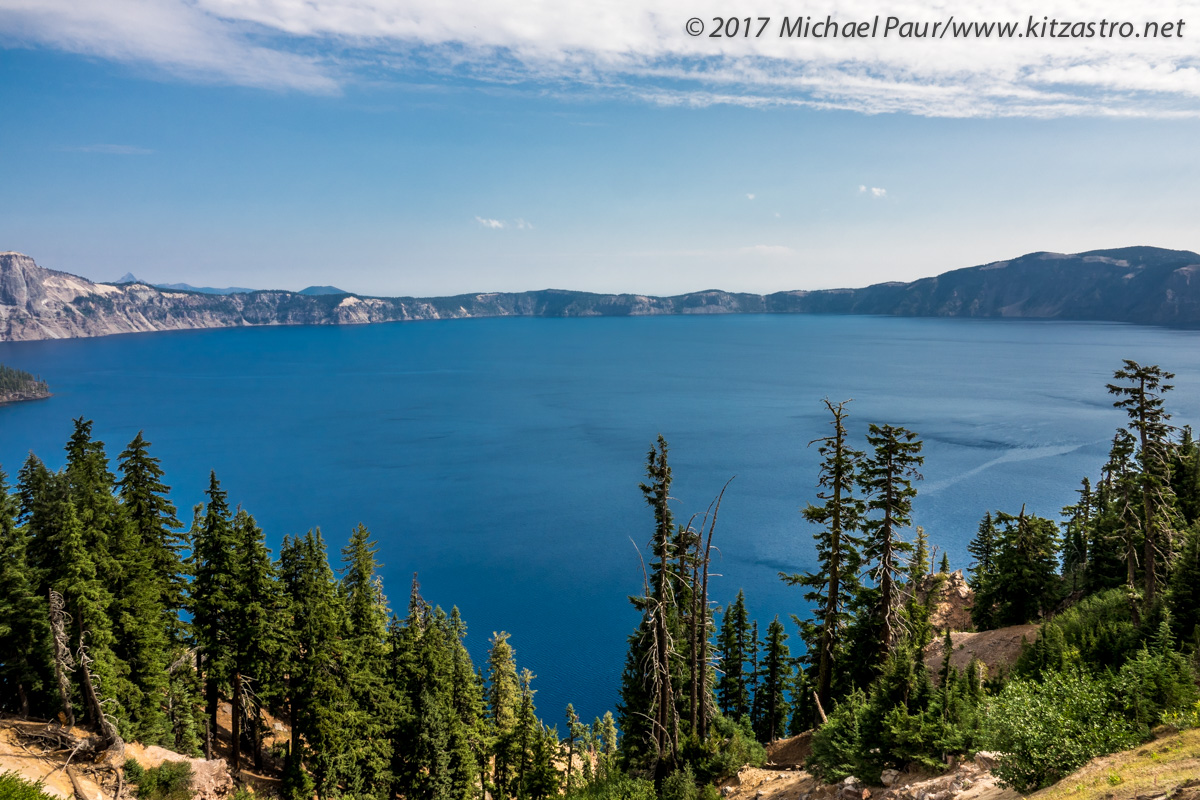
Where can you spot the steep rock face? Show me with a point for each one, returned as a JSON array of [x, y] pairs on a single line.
[[1144, 285], [21, 281]]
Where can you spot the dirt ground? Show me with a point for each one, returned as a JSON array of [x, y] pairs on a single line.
[[998, 649], [784, 778], [31, 763]]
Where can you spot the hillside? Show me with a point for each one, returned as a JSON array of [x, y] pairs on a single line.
[[1145, 285]]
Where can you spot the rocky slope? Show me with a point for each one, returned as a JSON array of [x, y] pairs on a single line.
[[1137, 284]]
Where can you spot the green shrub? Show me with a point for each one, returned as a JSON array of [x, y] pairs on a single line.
[[617, 786], [680, 785], [730, 746], [1049, 729], [1156, 680], [14, 787], [835, 745], [1183, 718], [171, 780]]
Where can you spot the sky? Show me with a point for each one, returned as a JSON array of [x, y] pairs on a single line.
[[430, 147]]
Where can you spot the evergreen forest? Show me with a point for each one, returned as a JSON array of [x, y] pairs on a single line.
[[117, 615]]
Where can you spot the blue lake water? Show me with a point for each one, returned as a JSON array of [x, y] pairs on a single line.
[[500, 458]]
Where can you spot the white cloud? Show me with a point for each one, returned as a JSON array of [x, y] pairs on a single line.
[[499, 224], [874, 191], [173, 35], [643, 53], [749, 197]]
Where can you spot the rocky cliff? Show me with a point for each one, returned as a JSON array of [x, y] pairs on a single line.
[[1137, 284]]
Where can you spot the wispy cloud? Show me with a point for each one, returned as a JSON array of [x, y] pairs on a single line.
[[749, 196], [873, 191], [644, 53], [175, 36], [500, 224], [111, 149]]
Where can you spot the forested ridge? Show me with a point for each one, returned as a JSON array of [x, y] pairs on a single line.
[[117, 616]]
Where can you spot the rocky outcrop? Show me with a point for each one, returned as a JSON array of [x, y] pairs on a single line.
[[949, 599], [210, 778], [1136, 284]]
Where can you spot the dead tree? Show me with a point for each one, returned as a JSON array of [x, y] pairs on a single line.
[[112, 737], [63, 663]]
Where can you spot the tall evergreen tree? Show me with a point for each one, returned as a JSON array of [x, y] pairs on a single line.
[[86, 602], [372, 702], [213, 563], [886, 479], [1026, 567], [648, 709], [146, 551], [314, 661], [733, 688], [504, 699], [834, 584], [1140, 396], [255, 641], [25, 671], [776, 676]]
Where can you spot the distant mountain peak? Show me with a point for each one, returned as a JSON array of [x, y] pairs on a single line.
[[129, 277], [318, 290]]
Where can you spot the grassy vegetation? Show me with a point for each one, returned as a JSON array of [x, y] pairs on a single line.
[[1151, 770]]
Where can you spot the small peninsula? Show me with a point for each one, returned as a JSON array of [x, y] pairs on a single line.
[[17, 385]]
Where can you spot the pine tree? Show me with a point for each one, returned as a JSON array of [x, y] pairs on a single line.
[[886, 479], [25, 671], [648, 705], [146, 550], [313, 661], [919, 564], [148, 509], [1078, 530], [371, 700], [468, 752], [504, 698], [733, 690], [86, 601], [1184, 596], [1026, 568], [574, 738], [255, 642], [213, 599], [777, 672], [1140, 396], [944, 569], [983, 549], [835, 583]]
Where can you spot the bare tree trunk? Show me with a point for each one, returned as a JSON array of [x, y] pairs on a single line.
[[115, 744], [235, 725], [694, 700], [62, 656]]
